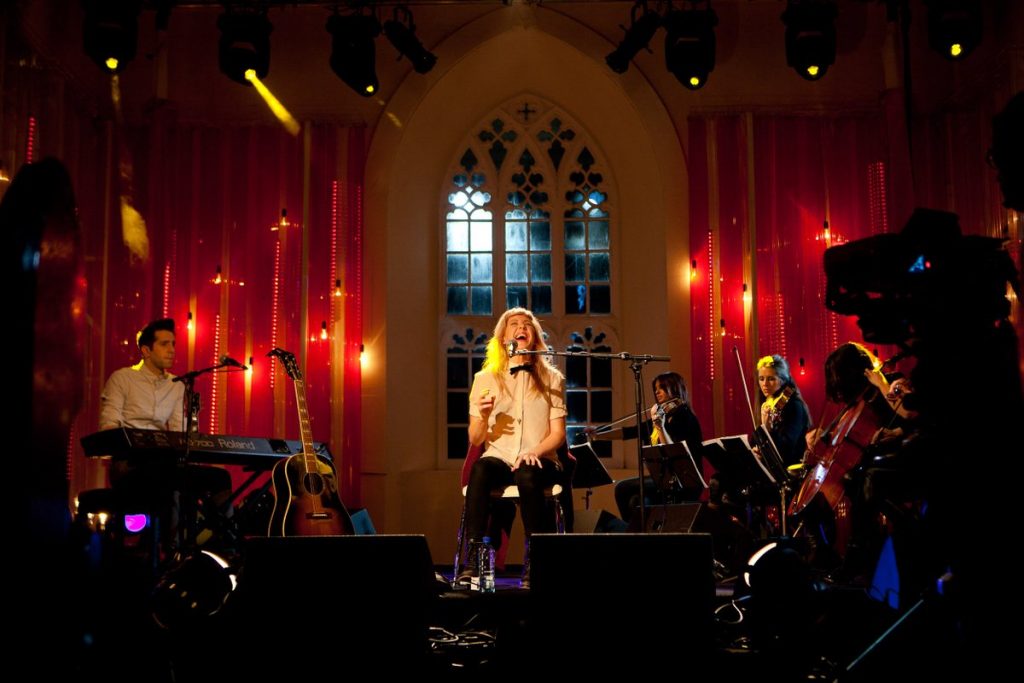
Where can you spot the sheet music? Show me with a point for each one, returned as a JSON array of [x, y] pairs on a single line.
[[721, 441], [588, 462], [693, 463], [676, 446], [776, 459], [728, 444]]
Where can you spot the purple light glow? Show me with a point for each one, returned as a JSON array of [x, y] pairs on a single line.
[[135, 523]]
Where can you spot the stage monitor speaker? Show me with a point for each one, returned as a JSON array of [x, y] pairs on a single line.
[[679, 518], [652, 595], [335, 603], [598, 522]]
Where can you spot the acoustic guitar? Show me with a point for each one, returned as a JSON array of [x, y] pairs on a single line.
[[306, 501]]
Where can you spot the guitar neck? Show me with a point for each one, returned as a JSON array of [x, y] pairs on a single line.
[[309, 455]]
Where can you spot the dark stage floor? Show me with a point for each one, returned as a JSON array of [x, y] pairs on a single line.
[[378, 603]]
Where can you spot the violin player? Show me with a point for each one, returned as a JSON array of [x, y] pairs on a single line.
[[783, 411], [671, 420], [786, 418]]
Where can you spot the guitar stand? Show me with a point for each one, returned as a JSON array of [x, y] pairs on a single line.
[[184, 506]]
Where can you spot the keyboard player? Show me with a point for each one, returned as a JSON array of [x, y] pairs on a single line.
[[145, 396]]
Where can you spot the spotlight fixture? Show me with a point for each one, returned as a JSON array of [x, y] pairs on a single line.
[[244, 44], [954, 27], [810, 37], [353, 52], [192, 590], [110, 32], [402, 34], [638, 35], [690, 44]]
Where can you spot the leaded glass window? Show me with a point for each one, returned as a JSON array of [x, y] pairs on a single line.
[[527, 223], [469, 243], [528, 240], [587, 241], [588, 389], [464, 358]]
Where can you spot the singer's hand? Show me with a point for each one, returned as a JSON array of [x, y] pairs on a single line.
[[485, 404], [527, 458], [654, 413]]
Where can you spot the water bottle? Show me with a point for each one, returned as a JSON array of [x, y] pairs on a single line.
[[485, 565]]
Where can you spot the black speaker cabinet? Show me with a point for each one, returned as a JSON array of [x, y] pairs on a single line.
[[678, 518], [598, 521], [330, 605], [615, 600]]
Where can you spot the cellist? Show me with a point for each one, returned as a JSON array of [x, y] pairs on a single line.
[[851, 381], [853, 374]]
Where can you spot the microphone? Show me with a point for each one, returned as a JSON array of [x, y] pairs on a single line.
[[512, 346], [228, 361]]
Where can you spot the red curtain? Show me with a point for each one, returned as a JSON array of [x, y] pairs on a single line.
[[235, 286], [761, 190]]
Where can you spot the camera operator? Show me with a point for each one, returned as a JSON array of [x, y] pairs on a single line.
[[943, 296]]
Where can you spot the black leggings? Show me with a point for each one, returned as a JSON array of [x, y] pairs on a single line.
[[490, 473]]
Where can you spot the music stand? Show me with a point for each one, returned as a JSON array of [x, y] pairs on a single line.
[[672, 467], [590, 471], [732, 456]]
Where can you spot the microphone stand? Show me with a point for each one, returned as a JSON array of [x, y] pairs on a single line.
[[636, 364], [181, 501]]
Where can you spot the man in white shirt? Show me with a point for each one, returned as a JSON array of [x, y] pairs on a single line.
[[145, 395]]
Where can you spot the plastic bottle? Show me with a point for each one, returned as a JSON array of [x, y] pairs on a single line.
[[485, 565]]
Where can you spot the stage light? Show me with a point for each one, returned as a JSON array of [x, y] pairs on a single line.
[[353, 52], [638, 35], [810, 37], [402, 35], [244, 44], [192, 590], [785, 601], [954, 27], [690, 44], [278, 109], [135, 523], [110, 32]]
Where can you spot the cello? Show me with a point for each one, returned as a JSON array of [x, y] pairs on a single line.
[[848, 438]]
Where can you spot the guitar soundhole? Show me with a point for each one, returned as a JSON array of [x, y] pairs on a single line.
[[313, 483]]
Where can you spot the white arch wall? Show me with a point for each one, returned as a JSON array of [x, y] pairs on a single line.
[[510, 51]]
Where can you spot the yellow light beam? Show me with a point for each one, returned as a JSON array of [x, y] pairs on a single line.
[[282, 114]]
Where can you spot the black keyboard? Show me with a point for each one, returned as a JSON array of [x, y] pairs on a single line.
[[127, 443]]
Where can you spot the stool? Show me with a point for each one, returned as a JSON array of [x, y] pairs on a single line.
[[510, 493]]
